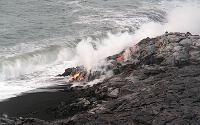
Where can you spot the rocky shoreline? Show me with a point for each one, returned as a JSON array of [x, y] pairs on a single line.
[[158, 85]]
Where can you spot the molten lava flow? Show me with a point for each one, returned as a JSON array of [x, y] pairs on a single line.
[[126, 54], [78, 76], [120, 58]]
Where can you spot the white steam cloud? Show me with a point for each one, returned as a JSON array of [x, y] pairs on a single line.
[[184, 18], [89, 56]]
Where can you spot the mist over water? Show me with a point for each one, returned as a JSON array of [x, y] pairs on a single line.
[[39, 39], [182, 18]]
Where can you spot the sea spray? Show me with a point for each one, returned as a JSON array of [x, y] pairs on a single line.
[[89, 52], [90, 56], [18, 65], [39, 68], [183, 18]]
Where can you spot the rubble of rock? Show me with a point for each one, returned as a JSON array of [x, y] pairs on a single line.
[[158, 85]]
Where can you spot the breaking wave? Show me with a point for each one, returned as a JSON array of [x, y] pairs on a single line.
[[90, 51], [15, 66], [179, 17]]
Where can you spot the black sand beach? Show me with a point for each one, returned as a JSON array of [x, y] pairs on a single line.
[[41, 104], [159, 85], [35, 104]]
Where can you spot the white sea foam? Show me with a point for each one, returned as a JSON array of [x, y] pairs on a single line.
[[30, 70], [13, 67]]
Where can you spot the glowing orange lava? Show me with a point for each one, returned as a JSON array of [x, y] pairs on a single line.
[[120, 58], [77, 77]]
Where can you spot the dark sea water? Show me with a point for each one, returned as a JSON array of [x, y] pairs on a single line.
[[38, 38]]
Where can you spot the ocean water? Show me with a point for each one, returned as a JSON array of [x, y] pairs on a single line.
[[40, 38]]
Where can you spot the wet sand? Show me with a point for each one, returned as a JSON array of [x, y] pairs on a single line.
[[38, 104]]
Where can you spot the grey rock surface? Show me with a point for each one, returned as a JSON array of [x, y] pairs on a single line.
[[160, 85]]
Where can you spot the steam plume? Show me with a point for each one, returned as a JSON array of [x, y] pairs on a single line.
[[184, 18]]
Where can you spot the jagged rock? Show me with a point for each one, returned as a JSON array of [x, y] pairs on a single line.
[[22, 121], [67, 72], [155, 92], [185, 42], [6, 121], [158, 85], [114, 93], [83, 102]]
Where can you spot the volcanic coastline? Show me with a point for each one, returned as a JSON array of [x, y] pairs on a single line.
[[158, 84]]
